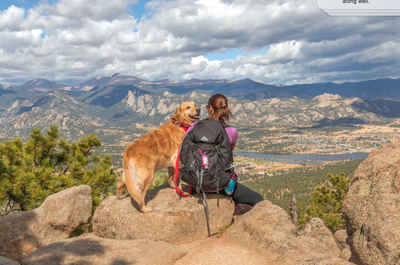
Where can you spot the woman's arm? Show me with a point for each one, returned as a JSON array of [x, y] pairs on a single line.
[[232, 135]]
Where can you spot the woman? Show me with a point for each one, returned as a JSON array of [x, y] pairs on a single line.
[[218, 110]]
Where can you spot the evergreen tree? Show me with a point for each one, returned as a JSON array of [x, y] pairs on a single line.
[[47, 164], [326, 203]]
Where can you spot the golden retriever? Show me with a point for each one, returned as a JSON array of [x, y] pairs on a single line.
[[153, 152]]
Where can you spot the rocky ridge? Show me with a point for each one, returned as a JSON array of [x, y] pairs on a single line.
[[55, 107], [283, 111], [263, 235], [123, 105], [59, 215]]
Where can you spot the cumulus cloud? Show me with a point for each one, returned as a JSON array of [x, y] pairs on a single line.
[[70, 41]]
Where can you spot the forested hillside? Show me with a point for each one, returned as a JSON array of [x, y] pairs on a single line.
[[300, 182]]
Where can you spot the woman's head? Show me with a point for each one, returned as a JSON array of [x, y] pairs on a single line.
[[217, 108]]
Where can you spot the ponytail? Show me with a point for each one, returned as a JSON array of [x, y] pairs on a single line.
[[220, 105]]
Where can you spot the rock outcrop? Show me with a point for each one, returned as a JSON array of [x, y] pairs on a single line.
[[55, 220], [264, 235], [341, 241], [5, 261], [91, 249], [173, 219], [372, 209], [315, 228], [268, 234], [175, 232], [346, 253], [340, 238]]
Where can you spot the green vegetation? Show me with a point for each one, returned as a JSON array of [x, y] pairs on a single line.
[[279, 188], [47, 164], [326, 203], [160, 178], [337, 128], [277, 148]]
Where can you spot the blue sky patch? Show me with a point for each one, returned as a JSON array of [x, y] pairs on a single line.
[[26, 4], [227, 55], [138, 10]]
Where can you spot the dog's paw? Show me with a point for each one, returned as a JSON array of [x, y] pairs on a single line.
[[172, 184], [146, 210]]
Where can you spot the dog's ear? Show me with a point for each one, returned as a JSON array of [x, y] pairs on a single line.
[[178, 115]]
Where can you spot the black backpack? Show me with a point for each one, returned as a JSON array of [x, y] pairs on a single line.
[[207, 138]]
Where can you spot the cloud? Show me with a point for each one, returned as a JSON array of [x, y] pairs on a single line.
[[9, 18], [70, 41], [95, 10]]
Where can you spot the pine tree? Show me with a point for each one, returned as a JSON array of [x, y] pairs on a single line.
[[326, 203], [47, 164]]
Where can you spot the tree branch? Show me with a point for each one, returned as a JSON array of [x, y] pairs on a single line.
[[85, 153]]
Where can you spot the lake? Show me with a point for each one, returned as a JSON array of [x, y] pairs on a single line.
[[309, 159]]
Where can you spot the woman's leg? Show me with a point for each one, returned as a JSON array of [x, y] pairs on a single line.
[[242, 194]]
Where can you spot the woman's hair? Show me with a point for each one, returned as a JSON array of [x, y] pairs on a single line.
[[220, 105]]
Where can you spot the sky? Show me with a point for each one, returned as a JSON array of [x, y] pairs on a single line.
[[278, 42]]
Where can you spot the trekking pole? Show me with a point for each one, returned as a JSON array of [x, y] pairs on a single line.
[[207, 213]]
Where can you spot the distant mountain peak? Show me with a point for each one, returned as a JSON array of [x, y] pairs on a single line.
[[41, 84], [115, 79], [59, 95], [118, 79], [96, 81]]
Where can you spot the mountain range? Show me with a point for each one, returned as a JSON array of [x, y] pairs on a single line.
[[384, 88], [119, 102]]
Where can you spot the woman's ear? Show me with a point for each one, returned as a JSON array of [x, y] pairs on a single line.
[[178, 115], [210, 110]]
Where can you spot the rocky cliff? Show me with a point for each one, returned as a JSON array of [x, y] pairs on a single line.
[[174, 233], [372, 209]]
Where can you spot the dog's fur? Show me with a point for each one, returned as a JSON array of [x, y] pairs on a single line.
[[153, 152]]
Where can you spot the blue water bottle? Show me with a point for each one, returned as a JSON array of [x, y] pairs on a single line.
[[231, 186]]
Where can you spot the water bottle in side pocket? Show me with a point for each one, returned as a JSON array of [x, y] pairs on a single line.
[[232, 183]]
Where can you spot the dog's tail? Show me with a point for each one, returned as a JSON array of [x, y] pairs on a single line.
[[129, 175]]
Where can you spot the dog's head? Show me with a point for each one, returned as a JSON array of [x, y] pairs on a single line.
[[187, 113]]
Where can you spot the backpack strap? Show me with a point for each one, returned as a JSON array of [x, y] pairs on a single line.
[[200, 176], [224, 124]]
